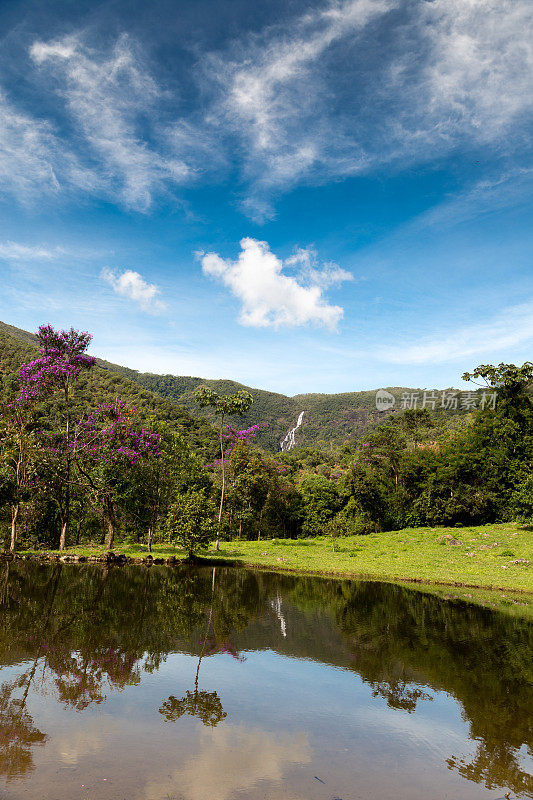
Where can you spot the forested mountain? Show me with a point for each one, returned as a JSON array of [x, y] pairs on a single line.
[[103, 384], [127, 472], [328, 420]]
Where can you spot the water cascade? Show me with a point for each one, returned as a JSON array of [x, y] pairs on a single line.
[[289, 441]]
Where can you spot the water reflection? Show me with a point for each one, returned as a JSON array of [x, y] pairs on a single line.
[[82, 634]]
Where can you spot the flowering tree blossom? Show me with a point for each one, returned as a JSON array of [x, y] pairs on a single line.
[[63, 357], [233, 436], [106, 447]]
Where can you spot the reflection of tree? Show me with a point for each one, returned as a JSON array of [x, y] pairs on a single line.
[[18, 734], [82, 632], [87, 631], [403, 641], [400, 694], [490, 763], [207, 706]]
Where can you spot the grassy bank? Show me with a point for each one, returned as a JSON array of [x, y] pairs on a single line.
[[490, 556]]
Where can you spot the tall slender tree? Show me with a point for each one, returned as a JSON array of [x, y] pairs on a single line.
[[229, 405]]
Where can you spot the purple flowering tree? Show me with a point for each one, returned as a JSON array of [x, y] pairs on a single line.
[[107, 448], [63, 358]]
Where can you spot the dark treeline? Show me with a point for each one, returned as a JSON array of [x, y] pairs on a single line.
[[80, 633], [88, 456]]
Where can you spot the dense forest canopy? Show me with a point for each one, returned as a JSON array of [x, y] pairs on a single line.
[[89, 455]]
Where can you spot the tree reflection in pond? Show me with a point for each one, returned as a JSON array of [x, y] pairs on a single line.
[[207, 706], [18, 734], [81, 633]]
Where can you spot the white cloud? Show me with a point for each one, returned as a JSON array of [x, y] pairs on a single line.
[[13, 251], [310, 272], [109, 98], [132, 285], [271, 92], [33, 160], [512, 327], [269, 297], [448, 73], [232, 760], [340, 90], [480, 63]]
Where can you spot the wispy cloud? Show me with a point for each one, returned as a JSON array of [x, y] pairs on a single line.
[[306, 108], [272, 89], [479, 65], [14, 251], [311, 272], [108, 97], [34, 161], [346, 88], [131, 284], [510, 328], [270, 297]]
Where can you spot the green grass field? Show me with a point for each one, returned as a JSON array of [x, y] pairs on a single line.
[[490, 556]]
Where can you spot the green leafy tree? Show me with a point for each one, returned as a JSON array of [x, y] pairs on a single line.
[[18, 452], [157, 480], [190, 521], [509, 381], [224, 406], [522, 501], [320, 502]]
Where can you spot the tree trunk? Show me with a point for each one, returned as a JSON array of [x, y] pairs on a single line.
[[150, 537], [217, 544], [65, 521], [111, 522], [5, 586], [63, 536], [14, 518]]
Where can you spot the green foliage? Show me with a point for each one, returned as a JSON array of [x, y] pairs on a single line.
[[190, 521], [387, 636], [410, 468], [320, 500], [522, 501], [206, 706], [225, 405]]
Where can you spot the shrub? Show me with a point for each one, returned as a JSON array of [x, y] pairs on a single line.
[[522, 501], [190, 521]]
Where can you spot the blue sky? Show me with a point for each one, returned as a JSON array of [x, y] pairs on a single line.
[[325, 196]]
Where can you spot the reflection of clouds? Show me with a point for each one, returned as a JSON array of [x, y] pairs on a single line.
[[233, 759], [79, 743]]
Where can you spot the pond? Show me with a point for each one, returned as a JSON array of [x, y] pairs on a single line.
[[124, 683]]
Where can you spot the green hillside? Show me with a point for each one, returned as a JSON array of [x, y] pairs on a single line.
[[103, 384], [329, 419]]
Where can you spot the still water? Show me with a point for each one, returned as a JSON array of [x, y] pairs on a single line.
[[228, 684]]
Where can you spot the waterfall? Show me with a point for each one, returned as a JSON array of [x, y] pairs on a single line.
[[289, 441]]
